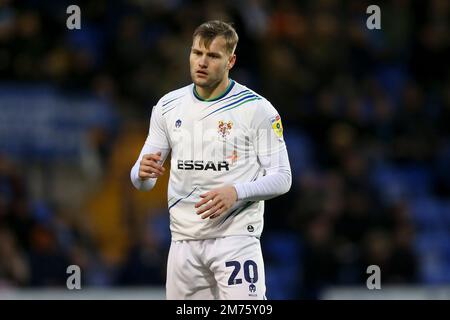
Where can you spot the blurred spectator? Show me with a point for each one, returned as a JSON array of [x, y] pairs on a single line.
[[14, 269]]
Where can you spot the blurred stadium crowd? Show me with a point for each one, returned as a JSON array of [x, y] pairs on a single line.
[[366, 116]]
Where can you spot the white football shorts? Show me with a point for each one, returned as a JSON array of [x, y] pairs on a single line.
[[228, 268]]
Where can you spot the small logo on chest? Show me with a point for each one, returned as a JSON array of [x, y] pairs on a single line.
[[224, 128]]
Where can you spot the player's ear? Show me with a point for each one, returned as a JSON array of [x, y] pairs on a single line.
[[231, 61]]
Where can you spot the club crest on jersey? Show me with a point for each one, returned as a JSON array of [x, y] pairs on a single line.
[[224, 128], [277, 126], [178, 123]]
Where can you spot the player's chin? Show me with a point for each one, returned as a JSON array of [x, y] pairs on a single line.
[[201, 81]]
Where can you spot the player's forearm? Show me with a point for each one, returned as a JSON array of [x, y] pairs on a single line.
[[267, 187], [146, 184], [142, 185], [277, 181]]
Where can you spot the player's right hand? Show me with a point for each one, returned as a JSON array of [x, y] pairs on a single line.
[[149, 166]]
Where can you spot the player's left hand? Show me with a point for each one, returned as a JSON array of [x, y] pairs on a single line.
[[216, 202]]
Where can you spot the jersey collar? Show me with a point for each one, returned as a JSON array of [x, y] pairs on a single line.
[[220, 96]]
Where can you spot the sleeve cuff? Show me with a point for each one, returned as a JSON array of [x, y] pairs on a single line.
[[240, 190]]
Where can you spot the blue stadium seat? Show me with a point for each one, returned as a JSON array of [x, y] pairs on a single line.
[[418, 180], [393, 79], [281, 253], [432, 241], [387, 181], [300, 151], [433, 250], [433, 269], [446, 214], [427, 213], [399, 183]]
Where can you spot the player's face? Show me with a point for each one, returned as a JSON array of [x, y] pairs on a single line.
[[210, 66]]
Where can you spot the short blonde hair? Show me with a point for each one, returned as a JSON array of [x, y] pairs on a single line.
[[208, 31]]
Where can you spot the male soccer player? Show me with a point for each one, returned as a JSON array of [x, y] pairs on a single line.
[[228, 156]]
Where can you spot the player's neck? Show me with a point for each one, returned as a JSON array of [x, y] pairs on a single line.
[[213, 93]]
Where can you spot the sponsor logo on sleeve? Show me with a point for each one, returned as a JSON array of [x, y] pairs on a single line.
[[277, 126]]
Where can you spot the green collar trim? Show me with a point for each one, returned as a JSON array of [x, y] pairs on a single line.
[[227, 90]]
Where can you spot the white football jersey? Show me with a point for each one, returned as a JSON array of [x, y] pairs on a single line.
[[214, 143]]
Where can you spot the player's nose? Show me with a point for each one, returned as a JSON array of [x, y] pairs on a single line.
[[202, 62]]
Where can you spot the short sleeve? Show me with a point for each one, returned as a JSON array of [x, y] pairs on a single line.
[[268, 137]]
